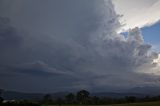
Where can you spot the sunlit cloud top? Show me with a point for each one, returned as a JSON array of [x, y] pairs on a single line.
[[137, 13]]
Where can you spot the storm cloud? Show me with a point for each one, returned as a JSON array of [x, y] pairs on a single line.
[[58, 45]]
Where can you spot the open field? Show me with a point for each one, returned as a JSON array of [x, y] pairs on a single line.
[[139, 104], [130, 104]]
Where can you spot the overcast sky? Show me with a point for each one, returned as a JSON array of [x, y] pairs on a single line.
[[60, 45]]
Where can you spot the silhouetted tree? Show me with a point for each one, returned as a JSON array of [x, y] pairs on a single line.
[[95, 100], [130, 99], [47, 99], [83, 96], [1, 99], [70, 98], [60, 101]]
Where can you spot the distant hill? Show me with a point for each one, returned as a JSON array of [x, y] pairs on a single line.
[[118, 95], [137, 92], [154, 91], [9, 95]]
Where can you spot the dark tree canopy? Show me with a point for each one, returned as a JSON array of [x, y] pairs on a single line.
[[70, 98], [82, 96]]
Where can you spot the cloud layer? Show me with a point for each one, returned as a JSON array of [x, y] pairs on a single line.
[[71, 45], [138, 13]]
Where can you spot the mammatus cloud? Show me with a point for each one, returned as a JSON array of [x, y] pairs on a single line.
[[69, 47], [138, 13]]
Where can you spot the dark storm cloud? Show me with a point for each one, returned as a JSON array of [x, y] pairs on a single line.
[[9, 36], [38, 68], [71, 43]]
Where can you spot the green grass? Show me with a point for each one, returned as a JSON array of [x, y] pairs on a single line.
[[130, 104], [139, 104]]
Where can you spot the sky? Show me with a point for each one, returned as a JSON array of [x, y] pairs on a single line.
[[67, 45], [151, 35], [141, 13]]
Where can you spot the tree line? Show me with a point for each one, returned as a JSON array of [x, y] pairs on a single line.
[[82, 97]]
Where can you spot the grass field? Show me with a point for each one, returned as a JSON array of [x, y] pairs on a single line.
[[131, 104], [139, 104]]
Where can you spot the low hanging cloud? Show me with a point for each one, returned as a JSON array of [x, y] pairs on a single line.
[[73, 44], [141, 13]]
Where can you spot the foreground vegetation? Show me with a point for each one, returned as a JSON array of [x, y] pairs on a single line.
[[127, 104], [139, 104], [157, 103], [83, 98]]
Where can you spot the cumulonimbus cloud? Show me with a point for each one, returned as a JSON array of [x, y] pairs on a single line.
[[78, 37]]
